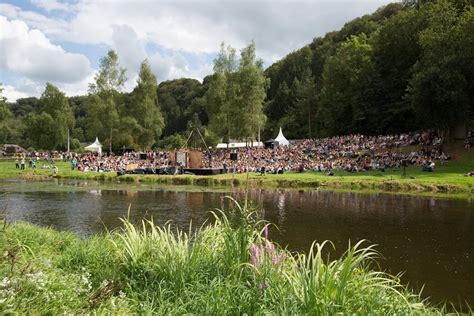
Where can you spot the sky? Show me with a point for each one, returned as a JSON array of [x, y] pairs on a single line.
[[62, 42]]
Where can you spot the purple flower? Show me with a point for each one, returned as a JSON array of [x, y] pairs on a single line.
[[270, 247], [275, 260], [265, 232]]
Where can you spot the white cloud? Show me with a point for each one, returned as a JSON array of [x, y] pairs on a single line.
[[176, 66], [28, 52], [186, 31], [50, 5], [278, 27], [49, 26], [12, 94]]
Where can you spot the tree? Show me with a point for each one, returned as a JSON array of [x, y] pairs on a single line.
[[102, 109], [344, 102], [41, 130], [48, 126], [223, 109], [395, 51], [236, 94], [299, 120], [252, 87], [111, 76], [442, 90], [179, 100], [144, 108], [5, 115]]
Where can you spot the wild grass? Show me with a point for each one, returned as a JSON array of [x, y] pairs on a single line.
[[229, 266]]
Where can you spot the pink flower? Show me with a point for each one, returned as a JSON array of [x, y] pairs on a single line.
[[265, 232], [270, 247], [275, 260]]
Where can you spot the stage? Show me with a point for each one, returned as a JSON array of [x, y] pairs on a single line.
[[176, 171], [206, 171]]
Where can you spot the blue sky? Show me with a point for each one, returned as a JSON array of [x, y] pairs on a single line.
[[62, 41]]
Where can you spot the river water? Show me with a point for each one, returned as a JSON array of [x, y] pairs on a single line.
[[431, 240]]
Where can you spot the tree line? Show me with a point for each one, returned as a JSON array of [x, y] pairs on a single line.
[[408, 66]]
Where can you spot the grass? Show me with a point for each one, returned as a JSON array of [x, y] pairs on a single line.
[[226, 267], [447, 179]]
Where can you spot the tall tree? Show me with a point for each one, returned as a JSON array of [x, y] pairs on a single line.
[[252, 87], [442, 88], [48, 126], [344, 104], [5, 115], [102, 109], [144, 108], [223, 109], [299, 119], [396, 50]]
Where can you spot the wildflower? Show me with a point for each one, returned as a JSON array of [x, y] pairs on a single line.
[[270, 247], [275, 259], [265, 232], [5, 282]]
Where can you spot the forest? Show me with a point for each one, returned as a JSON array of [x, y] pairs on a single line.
[[408, 66]]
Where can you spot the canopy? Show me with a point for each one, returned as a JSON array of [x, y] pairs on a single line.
[[95, 146], [239, 145], [282, 141]]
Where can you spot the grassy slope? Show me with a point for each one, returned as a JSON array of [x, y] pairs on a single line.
[[447, 178], [224, 268]]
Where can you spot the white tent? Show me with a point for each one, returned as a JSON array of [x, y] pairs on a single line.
[[239, 145], [282, 141], [95, 146]]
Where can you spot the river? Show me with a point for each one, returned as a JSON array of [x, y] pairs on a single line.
[[430, 239]]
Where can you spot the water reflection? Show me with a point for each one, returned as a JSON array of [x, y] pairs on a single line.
[[431, 239]]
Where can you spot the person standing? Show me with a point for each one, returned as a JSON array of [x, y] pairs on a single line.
[[23, 163], [17, 163]]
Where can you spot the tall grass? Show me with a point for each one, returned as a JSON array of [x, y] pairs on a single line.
[[229, 266]]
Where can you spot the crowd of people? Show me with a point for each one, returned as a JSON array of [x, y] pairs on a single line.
[[351, 153]]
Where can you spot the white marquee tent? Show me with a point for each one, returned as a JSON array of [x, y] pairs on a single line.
[[282, 141], [95, 146]]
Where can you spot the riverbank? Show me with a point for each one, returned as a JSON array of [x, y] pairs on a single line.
[[448, 179], [229, 267]]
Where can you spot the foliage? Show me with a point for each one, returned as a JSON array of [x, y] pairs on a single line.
[[48, 126], [175, 141], [252, 85], [407, 66], [441, 89], [223, 110], [102, 109], [143, 108], [344, 100], [417, 74], [180, 101], [227, 267], [236, 94]]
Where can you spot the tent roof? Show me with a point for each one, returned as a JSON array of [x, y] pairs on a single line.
[[281, 139], [95, 145], [240, 145]]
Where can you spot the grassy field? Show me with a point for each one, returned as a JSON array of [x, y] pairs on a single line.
[[447, 179], [229, 267]]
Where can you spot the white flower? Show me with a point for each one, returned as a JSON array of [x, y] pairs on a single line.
[[5, 282]]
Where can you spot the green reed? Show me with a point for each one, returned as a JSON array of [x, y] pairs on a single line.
[[228, 266]]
